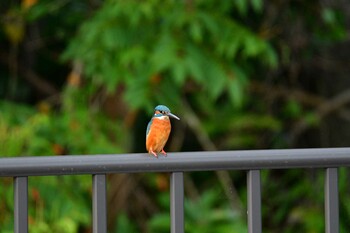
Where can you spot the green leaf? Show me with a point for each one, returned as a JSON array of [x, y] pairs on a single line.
[[311, 118], [124, 224], [328, 15], [192, 61], [160, 222], [242, 6], [236, 85], [216, 80], [164, 54], [196, 31], [179, 73], [257, 5]]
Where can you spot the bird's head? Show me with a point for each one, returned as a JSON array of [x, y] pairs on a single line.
[[162, 110]]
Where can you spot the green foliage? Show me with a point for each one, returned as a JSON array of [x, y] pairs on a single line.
[[334, 20], [124, 225], [202, 58], [17, 127], [292, 200], [207, 214], [155, 47], [47, 214], [27, 132]]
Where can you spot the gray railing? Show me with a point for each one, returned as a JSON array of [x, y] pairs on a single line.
[[177, 163]]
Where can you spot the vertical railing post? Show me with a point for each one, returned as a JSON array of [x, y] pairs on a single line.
[[21, 204], [177, 202], [331, 200], [99, 206], [254, 201]]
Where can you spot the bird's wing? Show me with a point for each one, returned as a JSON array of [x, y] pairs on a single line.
[[149, 126]]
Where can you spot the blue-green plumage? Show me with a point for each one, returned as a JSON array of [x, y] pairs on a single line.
[[162, 108], [158, 130], [149, 126], [163, 111]]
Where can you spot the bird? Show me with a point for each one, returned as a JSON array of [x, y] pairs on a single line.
[[158, 130]]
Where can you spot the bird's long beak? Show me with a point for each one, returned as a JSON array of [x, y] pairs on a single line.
[[173, 116]]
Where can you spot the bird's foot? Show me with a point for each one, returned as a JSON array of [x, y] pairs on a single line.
[[154, 153], [163, 152]]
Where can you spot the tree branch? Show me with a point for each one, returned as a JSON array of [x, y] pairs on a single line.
[[34, 79], [335, 104], [322, 106], [223, 176], [278, 91]]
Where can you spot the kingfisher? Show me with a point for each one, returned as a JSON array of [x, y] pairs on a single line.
[[158, 130]]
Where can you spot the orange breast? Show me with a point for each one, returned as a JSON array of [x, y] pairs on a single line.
[[158, 134]]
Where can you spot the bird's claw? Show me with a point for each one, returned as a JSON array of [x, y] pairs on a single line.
[[163, 152], [154, 153]]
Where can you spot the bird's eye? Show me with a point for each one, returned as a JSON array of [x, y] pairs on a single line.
[[162, 112]]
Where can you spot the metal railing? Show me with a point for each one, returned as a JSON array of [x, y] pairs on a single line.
[[177, 163]]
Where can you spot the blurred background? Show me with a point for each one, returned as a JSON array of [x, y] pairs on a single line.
[[83, 77]]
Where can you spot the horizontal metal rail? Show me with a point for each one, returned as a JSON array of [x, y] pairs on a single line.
[[253, 161], [184, 161]]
